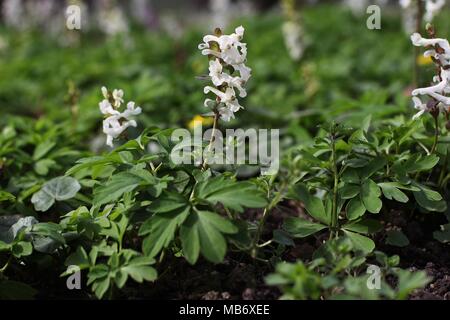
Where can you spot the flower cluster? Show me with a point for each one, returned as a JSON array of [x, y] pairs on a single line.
[[226, 53], [432, 7], [439, 51], [116, 122]]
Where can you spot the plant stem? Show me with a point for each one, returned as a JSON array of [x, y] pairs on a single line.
[[3, 269], [334, 218], [266, 211], [442, 175], [211, 140], [436, 135]]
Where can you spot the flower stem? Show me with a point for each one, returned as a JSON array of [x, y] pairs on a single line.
[[334, 209], [436, 135], [278, 197], [211, 140]]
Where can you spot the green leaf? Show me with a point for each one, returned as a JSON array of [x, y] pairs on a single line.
[[100, 287], [231, 194], [366, 226], [425, 163], [190, 239], [370, 196], [300, 228], [429, 199], [372, 167], [213, 245], [78, 258], [355, 209], [6, 196], [120, 278], [282, 237], [208, 228], [4, 246], [390, 191], [312, 204], [14, 290], [50, 230], [442, 235], [360, 242], [161, 229], [141, 272], [22, 249], [167, 202], [92, 162], [349, 191], [416, 163], [366, 123], [409, 281], [396, 238], [57, 189], [42, 149], [42, 167], [112, 190]]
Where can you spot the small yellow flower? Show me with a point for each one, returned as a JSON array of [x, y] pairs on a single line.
[[424, 61], [199, 120]]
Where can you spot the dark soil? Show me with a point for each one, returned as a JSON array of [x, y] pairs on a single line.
[[423, 253]]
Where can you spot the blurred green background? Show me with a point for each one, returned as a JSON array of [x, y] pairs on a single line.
[[346, 72]]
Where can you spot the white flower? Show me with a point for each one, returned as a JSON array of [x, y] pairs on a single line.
[[405, 3], [230, 52], [226, 114], [112, 20], [440, 51], [422, 107], [292, 32], [228, 97], [131, 110], [432, 7], [107, 109], [218, 77], [116, 122], [13, 12], [118, 97], [105, 92]]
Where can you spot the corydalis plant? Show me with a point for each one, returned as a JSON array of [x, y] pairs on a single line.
[[227, 70], [116, 122], [439, 51]]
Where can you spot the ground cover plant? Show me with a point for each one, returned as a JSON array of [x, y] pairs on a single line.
[[106, 193]]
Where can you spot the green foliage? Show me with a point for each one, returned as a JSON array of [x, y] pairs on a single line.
[[128, 214], [340, 275]]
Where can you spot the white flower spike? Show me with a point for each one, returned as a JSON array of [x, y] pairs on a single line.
[[227, 53], [439, 50], [116, 122]]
